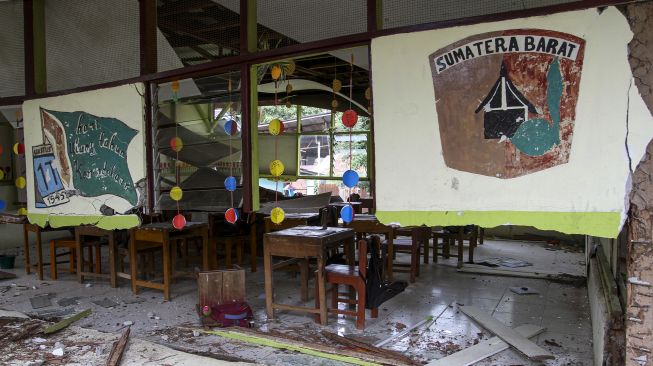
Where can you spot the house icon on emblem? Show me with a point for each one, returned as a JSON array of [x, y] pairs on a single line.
[[505, 108]]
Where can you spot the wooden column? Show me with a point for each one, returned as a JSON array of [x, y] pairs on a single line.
[[34, 47], [639, 286], [249, 102]]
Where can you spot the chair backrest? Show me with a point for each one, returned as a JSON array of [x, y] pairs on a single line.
[[421, 235]]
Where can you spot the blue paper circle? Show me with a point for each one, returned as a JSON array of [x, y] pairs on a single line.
[[3, 205], [231, 127], [350, 178], [230, 183], [347, 213]]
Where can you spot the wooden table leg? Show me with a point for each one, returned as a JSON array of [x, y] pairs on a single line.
[[481, 234], [113, 277], [133, 259], [460, 247], [321, 285], [207, 252], [391, 251], [472, 245], [303, 271], [28, 265], [267, 269], [80, 256], [166, 266], [446, 245], [53, 263], [39, 255], [252, 246], [228, 243]]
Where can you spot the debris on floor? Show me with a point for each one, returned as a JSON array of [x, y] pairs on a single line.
[[41, 301], [105, 303], [523, 290], [504, 262]]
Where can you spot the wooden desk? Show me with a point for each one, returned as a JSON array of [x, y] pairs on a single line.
[[32, 228], [369, 224], [161, 234], [290, 220], [87, 230], [304, 242]]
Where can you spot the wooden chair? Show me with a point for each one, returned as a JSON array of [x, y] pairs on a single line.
[[239, 235], [449, 236], [419, 237], [92, 260], [342, 274], [68, 243]]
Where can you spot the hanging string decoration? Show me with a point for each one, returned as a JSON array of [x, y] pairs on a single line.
[[176, 144], [21, 182], [19, 148], [275, 127], [230, 183], [349, 120]]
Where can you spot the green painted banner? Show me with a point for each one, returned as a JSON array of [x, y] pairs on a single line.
[[97, 150]]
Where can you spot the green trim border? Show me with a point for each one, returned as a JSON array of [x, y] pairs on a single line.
[[603, 224], [116, 222]]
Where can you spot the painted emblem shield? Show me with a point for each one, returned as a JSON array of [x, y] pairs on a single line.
[[506, 101]]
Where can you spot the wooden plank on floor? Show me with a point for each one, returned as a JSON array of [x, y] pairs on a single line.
[[484, 349], [508, 335]]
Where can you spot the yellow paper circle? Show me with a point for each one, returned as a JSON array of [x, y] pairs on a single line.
[[334, 104], [16, 148], [175, 86], [368, 93], [2, 174], [276, 168], [22, 211], [277, 215], [20, 182], [275, 127], [176, 193], [275, 72], [288, 104], [289, 88], [337, 85]]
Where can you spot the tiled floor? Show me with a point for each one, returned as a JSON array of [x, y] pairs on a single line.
[[562, 308]]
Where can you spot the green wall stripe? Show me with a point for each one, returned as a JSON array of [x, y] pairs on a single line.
[[103, 222], [603, 224]]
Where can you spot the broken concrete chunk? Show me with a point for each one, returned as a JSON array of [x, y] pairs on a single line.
[[128, 323], [41, 301], [165, 337], [89, 285], [39, 340], [150, 315], [68, 301]]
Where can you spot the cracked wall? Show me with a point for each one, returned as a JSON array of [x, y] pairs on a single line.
[[639, 312]]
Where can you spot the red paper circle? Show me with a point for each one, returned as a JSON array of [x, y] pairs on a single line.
[[231, 215], [21, 148], [349, 118], [179, 221]]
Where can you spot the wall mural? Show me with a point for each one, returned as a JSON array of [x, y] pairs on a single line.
[[82, 155], [515, 110], [85, 160], [534, 121]]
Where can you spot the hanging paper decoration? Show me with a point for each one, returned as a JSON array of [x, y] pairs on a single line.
[[176, 144], [337, 85], [2, 149], [368, 96], [179, 221], [277, 215], [275, 127], [349, 118], [22, 211], [334, 103], [288, 88], [21, 182], [275, 72], [2, 174], [347, 214], [231, 215], [176, 193], [230, 183], [19, 148], [175, 88], [231, 128], [276, 167], [350, 178], [3, 205]]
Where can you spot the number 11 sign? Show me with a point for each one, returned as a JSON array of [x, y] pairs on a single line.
[[49, 188]]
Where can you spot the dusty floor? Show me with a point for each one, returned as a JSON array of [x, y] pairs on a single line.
[[562, 308]]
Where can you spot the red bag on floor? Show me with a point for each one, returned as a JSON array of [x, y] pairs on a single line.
[[235, 314]]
